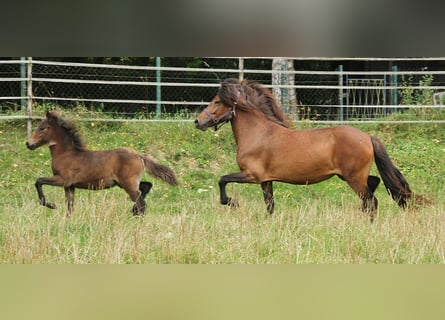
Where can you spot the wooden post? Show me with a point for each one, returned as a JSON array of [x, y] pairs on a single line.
[[241, 69], [340, 91], [23, 83]]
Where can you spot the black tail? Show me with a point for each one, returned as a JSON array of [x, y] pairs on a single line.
[[394, 181]]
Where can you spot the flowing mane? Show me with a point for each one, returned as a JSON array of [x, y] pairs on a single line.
[[252, 95], [72, 130]]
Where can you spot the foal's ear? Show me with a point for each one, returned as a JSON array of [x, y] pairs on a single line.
[[51, 115]]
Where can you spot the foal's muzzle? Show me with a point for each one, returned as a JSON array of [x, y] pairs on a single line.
[[31, 146]]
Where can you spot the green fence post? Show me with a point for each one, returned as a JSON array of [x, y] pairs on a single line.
[[158, 87], [29, 96]]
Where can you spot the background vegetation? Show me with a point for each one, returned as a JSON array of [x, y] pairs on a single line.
[[312, 224]]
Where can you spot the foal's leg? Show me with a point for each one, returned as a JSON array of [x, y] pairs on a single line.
[[69, 197], [138, 197], [52, 181], [268, 195], [140, 205], [240, 177], [144, 188]]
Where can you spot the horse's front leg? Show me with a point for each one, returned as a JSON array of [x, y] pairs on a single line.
[[69, 198], [268, 195], [52, 181], [240, 177]]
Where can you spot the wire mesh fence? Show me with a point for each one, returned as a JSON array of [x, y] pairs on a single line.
[[325, 89]]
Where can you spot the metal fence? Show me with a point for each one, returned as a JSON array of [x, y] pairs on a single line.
[[327, 90]]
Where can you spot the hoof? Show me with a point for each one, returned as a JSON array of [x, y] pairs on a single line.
[[232, 203], [50, 205], [138, 211]]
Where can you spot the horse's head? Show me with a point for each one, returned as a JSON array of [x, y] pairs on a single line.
[[215, 113], [43, 134]]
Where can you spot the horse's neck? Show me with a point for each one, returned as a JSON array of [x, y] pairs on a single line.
[[249, 125], [60, 147]]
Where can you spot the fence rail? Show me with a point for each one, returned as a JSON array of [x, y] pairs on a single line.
[[146, 93]]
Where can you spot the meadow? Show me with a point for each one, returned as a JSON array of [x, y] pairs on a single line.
[[320, 223]]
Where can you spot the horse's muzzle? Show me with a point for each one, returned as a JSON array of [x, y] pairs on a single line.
[[31, 146], [201, 125]]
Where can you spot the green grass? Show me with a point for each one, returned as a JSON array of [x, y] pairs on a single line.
[[312, 224]]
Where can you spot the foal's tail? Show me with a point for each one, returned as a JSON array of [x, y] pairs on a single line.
[[394, 181], [160, 171]]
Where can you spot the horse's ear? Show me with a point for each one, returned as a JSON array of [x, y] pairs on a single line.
[[51, 115], [230, 90]]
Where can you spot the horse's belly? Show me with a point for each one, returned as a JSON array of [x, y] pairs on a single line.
[[309, 180], [96, 184], [302, 173]]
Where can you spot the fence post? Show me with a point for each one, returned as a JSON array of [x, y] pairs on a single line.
[[29, 97], [394, 99], [23, 84], [241, 68], [340, 91], [158, 87]]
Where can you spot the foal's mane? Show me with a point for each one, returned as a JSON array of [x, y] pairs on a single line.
[[71, 129], [249, 95]]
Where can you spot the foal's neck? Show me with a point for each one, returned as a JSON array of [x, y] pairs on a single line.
[[63, 145]]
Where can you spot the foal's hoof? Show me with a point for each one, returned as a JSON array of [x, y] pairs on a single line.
[[50, 205], [138, 212]]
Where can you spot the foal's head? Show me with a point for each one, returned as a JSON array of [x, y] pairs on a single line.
[[54, 130]]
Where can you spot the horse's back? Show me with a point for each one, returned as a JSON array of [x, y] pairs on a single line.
[[352, 138], [311, 156], [99, 169]]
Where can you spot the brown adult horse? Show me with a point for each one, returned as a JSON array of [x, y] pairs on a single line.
[[74, 166], [267, 150]]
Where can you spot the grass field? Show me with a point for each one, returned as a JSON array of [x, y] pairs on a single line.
[[186, 224]]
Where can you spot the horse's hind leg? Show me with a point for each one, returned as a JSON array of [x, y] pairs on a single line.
[[370, 204], [268, 195], [366, 194], [140, 204], [373, 182], [136, 196], [144, 188]]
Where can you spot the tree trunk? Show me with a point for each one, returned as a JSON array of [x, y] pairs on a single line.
[[286, 96]]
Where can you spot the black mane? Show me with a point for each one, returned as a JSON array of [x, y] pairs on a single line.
[[252, 95], [71, 129]]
